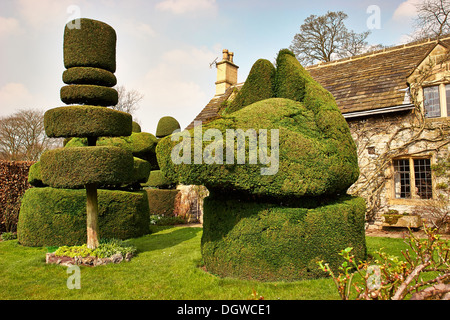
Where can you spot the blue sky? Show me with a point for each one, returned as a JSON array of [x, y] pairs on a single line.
[[164, 47]]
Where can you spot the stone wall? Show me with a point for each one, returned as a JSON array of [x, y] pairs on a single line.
[[382, 138]]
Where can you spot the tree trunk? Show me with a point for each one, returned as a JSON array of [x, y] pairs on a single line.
[[92, 208], [92, 216]]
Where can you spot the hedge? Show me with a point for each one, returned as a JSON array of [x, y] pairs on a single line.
[[166, 126], [88, 75], [76, 167], [89, 95], [157, 179], [92, 45], [13, 184], [162, 201], [257, 87], [141, 170], [57, 217], [269, 242], [86, 121], [140, 144], [311, 162]]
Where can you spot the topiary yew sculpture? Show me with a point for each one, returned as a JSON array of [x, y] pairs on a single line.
[[274, 226], [89, 56]]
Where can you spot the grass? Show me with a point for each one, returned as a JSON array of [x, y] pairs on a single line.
[[167, 267]]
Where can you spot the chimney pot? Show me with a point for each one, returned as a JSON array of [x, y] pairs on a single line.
[[226, 72]]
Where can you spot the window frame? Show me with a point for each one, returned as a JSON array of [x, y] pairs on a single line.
[[414, 197], [442, 93]]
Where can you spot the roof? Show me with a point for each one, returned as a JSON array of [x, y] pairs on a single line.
[[375, 80], [370, 83], [210, 111]]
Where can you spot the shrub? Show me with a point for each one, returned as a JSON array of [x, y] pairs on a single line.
[[269, 242], [311, 163], [34, 175], [92, 45], [289, 77], [88, 75], [162, 201], [136, 128], [157, 179], [257, 87], [57, 217], [13, 184], [9, 236], [106, 249], [76, 167], [140, 144], [141, 170], [86, 121], [166, 126], [89, 94]]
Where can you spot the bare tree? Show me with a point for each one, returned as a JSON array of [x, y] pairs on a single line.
[[432, 19], [22, 136], [325, 38], [128, 100]]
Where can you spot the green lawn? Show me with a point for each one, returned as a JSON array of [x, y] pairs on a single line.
[[166, 267]]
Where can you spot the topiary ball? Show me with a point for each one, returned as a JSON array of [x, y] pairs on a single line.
[[166, 126]]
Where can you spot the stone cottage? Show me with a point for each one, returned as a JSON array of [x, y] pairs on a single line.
[[397, 104]]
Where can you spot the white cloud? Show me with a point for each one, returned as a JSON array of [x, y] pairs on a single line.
[[15, 96], [187, 6], [175, 86], [9, 26], [44, 13], [406, 10]]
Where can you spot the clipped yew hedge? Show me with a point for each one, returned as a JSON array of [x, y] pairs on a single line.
[[162, 201], [76, 167], [86, 121], [89, 95], [88, 75], [92, 45], [57, 217], [269, 242]]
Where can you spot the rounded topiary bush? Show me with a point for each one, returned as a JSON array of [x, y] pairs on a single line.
[[86, 121], [157, 179], [270, 242], [166, 126], [257, 87], [88, 75], [92, 45], [77, 167], [57, 217], [89, 94], [141, 170]]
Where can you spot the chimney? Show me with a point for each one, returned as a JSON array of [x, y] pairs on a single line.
[[226, 72]]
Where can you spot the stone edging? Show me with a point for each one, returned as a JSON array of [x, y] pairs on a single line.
[[51, 258]]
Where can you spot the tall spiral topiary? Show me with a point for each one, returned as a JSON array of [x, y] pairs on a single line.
[[90, 60]]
